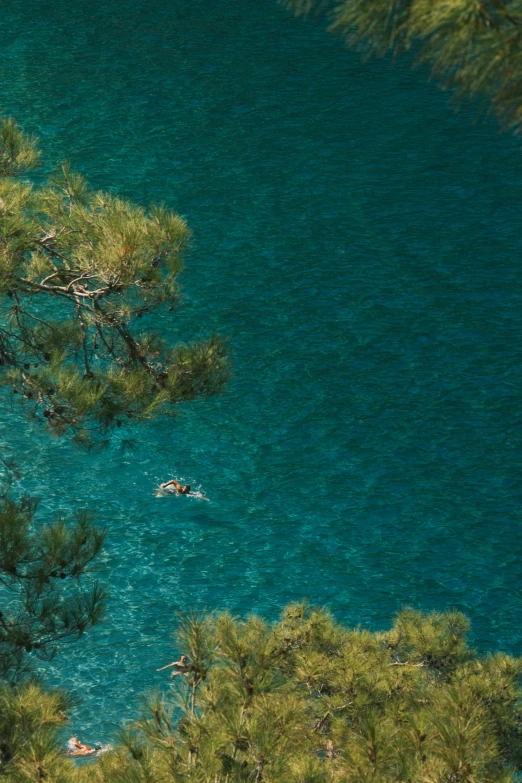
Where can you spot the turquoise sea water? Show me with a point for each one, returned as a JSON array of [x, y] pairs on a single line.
[[360, 245]]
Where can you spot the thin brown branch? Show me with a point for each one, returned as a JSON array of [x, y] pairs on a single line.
[[83, 327]]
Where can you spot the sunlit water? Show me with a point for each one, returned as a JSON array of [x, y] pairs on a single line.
[[360, 246]]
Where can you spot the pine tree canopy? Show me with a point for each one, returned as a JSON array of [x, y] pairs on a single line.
[[473, 46], [81, 273], [309, 701], [42, 599], [30, 750]]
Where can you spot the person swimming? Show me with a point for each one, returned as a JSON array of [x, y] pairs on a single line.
[[177, 486], [179, 490], [77, 748], [181, 666]]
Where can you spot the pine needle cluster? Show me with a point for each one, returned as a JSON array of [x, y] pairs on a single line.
[[82, 272], [42, 599], [30, 751], [309, 701], [472, 46], [44, 602]]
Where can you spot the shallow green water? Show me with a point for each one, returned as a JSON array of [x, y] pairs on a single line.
[[360, 245]]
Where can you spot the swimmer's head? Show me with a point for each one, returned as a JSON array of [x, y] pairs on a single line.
[[183, 658], [186, 489]]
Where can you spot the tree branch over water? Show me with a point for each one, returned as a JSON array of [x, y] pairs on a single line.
[[42, 600], [471, 46], [78, 270]]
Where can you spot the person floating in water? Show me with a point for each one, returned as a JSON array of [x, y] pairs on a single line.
[[177, 486], [77, 748], [181, 666]]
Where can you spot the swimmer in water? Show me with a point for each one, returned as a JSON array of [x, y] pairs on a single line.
[[181, 666], [173, 484], [79, 749], [177, 486]]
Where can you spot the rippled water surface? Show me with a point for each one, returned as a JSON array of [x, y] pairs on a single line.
[[360, 245]]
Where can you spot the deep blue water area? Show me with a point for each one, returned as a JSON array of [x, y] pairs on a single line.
[[359, 243]]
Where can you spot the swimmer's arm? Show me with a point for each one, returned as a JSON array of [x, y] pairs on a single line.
[[172, 483], [168, 666]]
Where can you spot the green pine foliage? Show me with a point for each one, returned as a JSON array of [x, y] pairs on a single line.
[[83, 278], [43, 600], [309, 701], [30, 751], [472, 46], [18, 152]]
